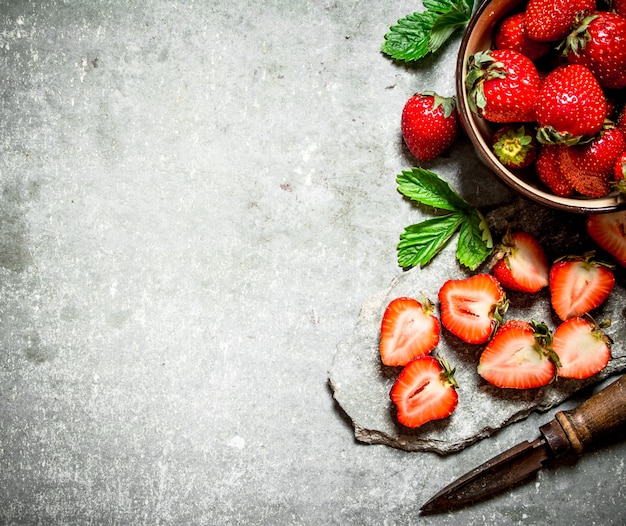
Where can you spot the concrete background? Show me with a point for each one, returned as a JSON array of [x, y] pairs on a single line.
[[196, 198]]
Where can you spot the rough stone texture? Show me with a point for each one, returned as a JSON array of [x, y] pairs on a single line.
[[361, 383], [196, 197]]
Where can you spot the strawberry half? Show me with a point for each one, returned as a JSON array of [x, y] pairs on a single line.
[[472, 308], [522, 264], [429, 125], [582, 347], [425, 390], [609, 232], [518, 356], [579, 284], [408, 330]]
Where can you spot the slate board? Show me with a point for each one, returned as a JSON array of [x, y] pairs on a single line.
[[361, 384]]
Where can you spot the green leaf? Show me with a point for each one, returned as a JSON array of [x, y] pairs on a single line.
[[475, 241], [428, 188], [418, 34], [421, 242]]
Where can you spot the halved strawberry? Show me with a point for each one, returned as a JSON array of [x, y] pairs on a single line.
[[425, 390], [472, 308], [579, 284], [518, 356], [408, 330], [609, 232], [582, 347], [522, 264]]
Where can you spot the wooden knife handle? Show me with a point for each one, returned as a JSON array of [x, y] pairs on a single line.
[[602, 413]]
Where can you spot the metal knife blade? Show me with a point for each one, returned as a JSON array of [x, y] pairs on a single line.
[[497, 474], [570, 431]]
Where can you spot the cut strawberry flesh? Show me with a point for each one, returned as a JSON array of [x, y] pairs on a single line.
[[469, 307], [582, 348]]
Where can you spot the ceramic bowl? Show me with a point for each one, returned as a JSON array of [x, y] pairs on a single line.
[[478, 37]]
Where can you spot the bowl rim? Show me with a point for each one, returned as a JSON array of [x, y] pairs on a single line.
[[579, 205]]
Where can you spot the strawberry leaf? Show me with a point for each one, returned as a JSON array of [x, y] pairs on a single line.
[[421, 242], [418, 34], [428, 188], [475, 241]]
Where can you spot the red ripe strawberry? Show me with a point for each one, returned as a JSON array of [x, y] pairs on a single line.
[[599, 42], [619, 174], [511, 34], [570, 105], [551, 20], [589, 167], [583, 349], [609, 232], [429, 125], [472, 308], [549, 170], [517, 357], [579, 285], [408, 330], [502, 86], [619, 6], [522, 264], [515, 146], [425, 390], [621, 121]]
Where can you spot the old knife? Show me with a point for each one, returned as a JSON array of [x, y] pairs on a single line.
[[569, 432]]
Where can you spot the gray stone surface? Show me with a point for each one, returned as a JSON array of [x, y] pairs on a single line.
[[196, 199]]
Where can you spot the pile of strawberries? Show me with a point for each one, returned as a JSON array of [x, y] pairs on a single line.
[[553, 89], [517, 354]]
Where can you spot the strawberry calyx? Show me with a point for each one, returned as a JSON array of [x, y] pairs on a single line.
[[588, 258], [447, 374], [448, 104], [577, 40], [481, 67], [549, 135], [514, 147], [543, 342]]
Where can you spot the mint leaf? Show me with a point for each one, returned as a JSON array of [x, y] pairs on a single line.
[[428, 188], [418, 34], [475, 242], [421, 242]]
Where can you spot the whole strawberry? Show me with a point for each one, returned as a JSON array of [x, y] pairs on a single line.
[[429, 125], [619, 174], [570, 105], [515, 146], [511, 34], [549, 170], [589, 167], [502, 86], [599, 42], [551, 20]]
